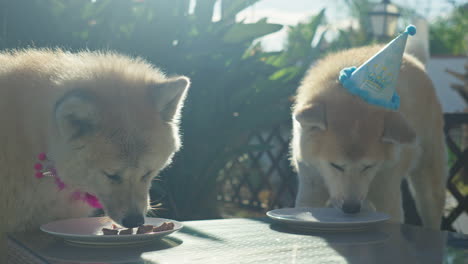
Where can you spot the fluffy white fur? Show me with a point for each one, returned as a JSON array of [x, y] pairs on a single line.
[[348, 151], [108, 121]]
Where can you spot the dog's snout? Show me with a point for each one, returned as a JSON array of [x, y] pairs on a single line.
[[133, 220], [351, 207]]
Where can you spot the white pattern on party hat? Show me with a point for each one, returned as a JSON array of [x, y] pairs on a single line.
[[375, 80]]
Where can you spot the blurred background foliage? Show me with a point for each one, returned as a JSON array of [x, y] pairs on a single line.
[[231, 94], [237, 87], [449, 34]]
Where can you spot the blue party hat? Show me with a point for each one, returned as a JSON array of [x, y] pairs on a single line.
[[375, 81]]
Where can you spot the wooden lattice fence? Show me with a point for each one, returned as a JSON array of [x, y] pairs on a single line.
[[262, 179], [456, 187]]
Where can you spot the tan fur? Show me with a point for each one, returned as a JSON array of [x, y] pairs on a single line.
[[130, 101], [356, 134]]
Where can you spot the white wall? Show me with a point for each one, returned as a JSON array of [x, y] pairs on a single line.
[[450, 100]]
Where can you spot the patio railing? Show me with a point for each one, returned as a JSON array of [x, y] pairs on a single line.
[[264, 180], [456, 186]]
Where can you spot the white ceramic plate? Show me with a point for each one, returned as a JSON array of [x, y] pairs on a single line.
[[326, 219], [89, 231]]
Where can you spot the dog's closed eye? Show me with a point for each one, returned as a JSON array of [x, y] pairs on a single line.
[[113, 177], [367, 167], [338, 167]]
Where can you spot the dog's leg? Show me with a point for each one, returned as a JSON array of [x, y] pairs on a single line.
[[427, 184], [3, 242], [385, 189], [311, 190], [429, 195], [385, 194]]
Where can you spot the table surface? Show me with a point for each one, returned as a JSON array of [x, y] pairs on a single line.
[[256, 241]]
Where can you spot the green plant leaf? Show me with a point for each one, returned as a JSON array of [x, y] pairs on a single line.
[[247, 32], [204, 11], [285, 73], [232, 7]]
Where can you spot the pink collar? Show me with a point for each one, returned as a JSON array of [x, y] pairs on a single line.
[[45, 168]]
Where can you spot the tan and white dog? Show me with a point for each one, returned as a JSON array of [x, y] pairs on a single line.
[[351, 154], [108, 122]]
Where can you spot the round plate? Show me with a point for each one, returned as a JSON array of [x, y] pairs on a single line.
[[89, 231], [326, 219]]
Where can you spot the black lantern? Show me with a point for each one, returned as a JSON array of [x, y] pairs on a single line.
[[384, 18]]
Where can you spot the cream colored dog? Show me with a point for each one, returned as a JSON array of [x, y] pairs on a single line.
[[351, 154], [108, 122]]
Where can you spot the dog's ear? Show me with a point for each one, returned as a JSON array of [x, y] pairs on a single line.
[[76, 114], [397, 129], [312, 116], [169, 97]]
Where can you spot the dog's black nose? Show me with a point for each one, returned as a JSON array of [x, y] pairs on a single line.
[[351, 207], [133, 220]]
